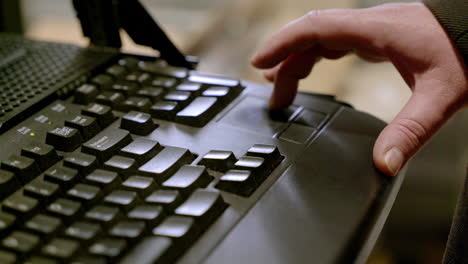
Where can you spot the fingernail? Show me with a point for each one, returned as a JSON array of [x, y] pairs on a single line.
[[394, 160]]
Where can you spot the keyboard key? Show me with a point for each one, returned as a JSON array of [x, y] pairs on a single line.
[[125, 88], [165, 110], [129, 62], [135, 103], [152, 249], [109, 248], [8, 183], [110, 98], [21, 242], [165, 82], [103, 80], [156, 68], [85, 94], [254, 164], [213, 80], [194, 88], [125, 200], [151, 214], [84, 232], [166, 163], [219, 160], [7, 222], [240, 182], [65, 209], [116, 70], [61, 249], [152, 93], [269, 153], [169, 199], [40, 260], [104, 215], [107, 143], [86, 125], [182, 98], [180, 228], [130, 230], [82, 162], [139, 184], [41, 190], [122, 165], [64, 138], [7, 257], [223, 93], [21, 206], [141, 150], [137, 123], [64, 177], [204, 205], [85, 193], [44, 225], [105, 180], [102, 113], [188, 178], [138, 77], [199, 112], [25, 169], [44, 155]]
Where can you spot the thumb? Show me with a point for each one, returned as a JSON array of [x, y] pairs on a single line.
[[426, 111]]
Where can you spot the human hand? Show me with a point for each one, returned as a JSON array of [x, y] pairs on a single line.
[[408, 35]]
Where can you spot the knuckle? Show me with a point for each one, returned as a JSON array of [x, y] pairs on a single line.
[[415, 133]]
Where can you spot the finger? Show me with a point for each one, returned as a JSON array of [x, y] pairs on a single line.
[[332, 29], [287, 76], [426, 111], [270, 74]]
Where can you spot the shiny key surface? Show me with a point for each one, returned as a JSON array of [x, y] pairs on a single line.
[[198, 112], [153, 249], [102, 113], [44, 155], [165, 110], [83, 231], [43, 190], [107, 143], [24, 168], [122, 165], [141, 150], [64, 138], [151, 214], [188, 178], [86, 125], [44, 225], [240, 182], [108, 247], [21, 206], [169, 199], [130, 230], [83, 163], [21, 242], [219, 160], [139, 184], [137, 123], [61, 248], [205, 205]]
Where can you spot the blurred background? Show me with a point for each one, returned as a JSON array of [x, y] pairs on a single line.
[[225, 33]]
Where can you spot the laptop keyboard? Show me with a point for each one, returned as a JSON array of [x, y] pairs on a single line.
[[97, 192]]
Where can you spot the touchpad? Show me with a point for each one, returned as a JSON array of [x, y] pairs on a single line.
[[252, 114]]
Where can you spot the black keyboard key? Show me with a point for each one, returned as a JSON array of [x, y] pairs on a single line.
[[165, 82], [129, 62], [65, 209], [169, 199], [153, 249], [240, 182], [7, 222], [137, 123], [25, 169], [122, 165], [44, 155], [109, 248], [256, 165], [138, 77], [141, 150], [44, 225], [199, 112], [64, 138], [204, 205], [223, 93], [82, 162], [104, 215], [165, 110], [110, 98], [103, 80], [180, 228], [152, 93], [102, 113], [86, 125], [107, 143], [130, 230], [61, 249], [116, 70], [126, 88], [87, 194], [151, 214], [64, 177], [182, 98], [21, 242], [139, 184], [41, 190], [219, 160], [213, 80], [84, 231], [85, 94], [8, 183], [7, 257], [194, 88], [125, 200], [269, 153], [166, 163], [135, 103], [156, 68], [21, 206], [188, 178], [105, 180]]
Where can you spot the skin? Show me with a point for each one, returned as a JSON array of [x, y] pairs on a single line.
[[406, 34]]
